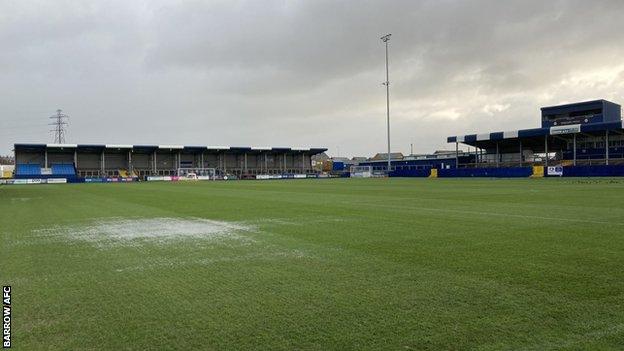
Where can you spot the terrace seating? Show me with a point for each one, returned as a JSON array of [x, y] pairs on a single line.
[[63, 169], [26, 169]]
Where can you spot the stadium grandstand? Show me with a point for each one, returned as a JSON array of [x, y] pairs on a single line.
[[86, 161], [578, 139], [582, 139], [404, 164]]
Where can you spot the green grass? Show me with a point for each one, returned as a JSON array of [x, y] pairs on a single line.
[[345, 264]]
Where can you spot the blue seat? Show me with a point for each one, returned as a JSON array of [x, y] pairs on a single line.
[[63, 169], [27, 169]]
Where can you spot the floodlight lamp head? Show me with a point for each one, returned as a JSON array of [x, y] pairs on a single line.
[[386, 37]]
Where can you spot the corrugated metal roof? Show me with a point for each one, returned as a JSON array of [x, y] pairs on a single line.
[[42, 146], [535, 132]]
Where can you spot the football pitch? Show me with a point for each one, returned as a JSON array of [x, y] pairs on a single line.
[[340, 264]]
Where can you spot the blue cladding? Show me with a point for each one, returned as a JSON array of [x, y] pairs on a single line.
[[410, 173], [30, 146], [593, 154], [597, 127], [451, 139], [338, 166], [587, 112], [240, 148], [594, 171], [195, 148], [420, 164], [470, 138], [533, 132], [487, 172], [612, 112], [574, 107], [316, 150], [497, 136], [146, 147]]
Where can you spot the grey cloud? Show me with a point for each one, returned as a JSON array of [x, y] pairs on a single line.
[[299, 73]]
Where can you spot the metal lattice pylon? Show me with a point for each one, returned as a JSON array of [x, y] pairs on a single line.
[[59, 122]]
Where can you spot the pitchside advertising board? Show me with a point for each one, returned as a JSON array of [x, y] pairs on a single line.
[[161, 179], [108, 180], [281, 176], [63, 181], [555, 171], [176, 178], [267, 176], [258, 177], [34, 181]]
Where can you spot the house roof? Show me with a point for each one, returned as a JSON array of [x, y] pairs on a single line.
[[384, 156]]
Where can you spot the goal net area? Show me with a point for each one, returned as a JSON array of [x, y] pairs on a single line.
[[197, 173], [361, 171]]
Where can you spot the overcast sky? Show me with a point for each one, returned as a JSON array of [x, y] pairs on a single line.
[[299, 73]]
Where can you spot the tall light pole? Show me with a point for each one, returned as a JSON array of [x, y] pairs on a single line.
[[385, 39]]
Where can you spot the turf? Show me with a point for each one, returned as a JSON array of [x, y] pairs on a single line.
[[345, 264]]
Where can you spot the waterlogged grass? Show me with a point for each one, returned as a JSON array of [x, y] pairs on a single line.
[[396, 264]]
